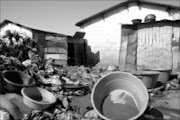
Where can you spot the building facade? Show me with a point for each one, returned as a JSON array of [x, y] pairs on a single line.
[[103, 30]]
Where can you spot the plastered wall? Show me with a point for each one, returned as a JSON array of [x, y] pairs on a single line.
[[104, 35]]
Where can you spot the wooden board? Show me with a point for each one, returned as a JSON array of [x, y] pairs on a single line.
[[60, 62], [123, 53], [128, 48], [53, 38], [55, 50], [56, 44], [131, 52], [56, 56]]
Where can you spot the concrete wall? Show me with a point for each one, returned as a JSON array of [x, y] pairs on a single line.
[[104, 37], [104, 33], [22, 31]]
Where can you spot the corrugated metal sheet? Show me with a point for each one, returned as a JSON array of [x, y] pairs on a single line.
[[176, 45], [158, 46], [154, 46]]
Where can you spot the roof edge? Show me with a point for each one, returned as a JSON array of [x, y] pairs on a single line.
[[42, 31], [80, 23]]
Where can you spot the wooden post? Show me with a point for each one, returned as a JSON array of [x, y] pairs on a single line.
[[123, 53]]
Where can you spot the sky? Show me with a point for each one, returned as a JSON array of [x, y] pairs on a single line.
[[53, 16], [58, 16]]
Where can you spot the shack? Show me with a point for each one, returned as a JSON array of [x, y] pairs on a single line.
[[65, 49], [103, 29], [154, 46]]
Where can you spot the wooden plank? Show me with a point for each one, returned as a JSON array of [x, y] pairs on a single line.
[[55, 39], [56, 56], [56, 44], [55, 50], [60, 62], [123, 53], [131, 52]]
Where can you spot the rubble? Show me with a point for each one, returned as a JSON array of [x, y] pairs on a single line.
[[72, 85]]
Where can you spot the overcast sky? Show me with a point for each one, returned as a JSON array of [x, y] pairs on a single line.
[[55, 16]]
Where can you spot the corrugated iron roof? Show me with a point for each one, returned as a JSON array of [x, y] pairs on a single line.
[[102, 13]]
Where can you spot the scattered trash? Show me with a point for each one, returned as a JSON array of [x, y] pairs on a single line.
[[71, 85]]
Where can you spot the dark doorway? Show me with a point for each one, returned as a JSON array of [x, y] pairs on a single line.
[[71, 54]]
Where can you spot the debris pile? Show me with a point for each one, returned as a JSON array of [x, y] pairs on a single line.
[[72, 85]]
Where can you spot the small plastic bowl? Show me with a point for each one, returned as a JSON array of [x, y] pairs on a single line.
[[37, 98]]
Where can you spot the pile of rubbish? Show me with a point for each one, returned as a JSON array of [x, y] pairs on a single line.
[[71, 85]]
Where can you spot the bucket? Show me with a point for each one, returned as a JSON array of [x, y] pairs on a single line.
[[14, 81], [119, 95], [164, 75], [149, 78]]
